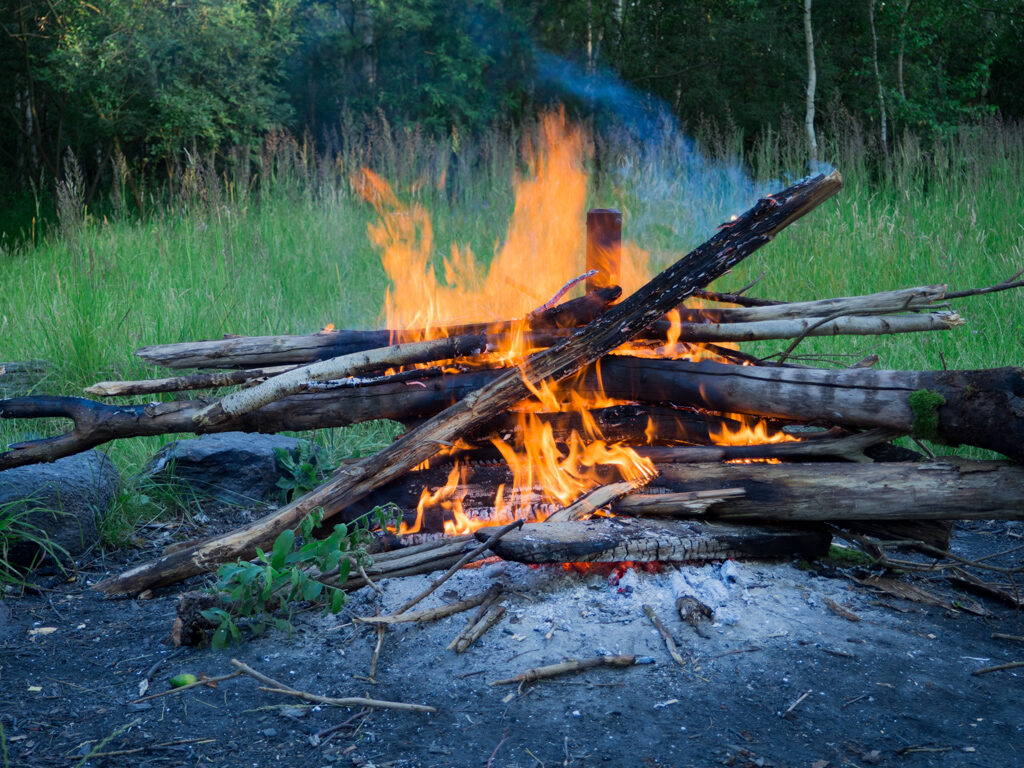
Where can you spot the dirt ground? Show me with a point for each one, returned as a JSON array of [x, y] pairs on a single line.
[[781, 680]]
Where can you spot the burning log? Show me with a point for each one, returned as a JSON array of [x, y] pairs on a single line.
[[982, 408], [256, 351], [616, 326], [617, 539], [263, 351], [881, 492]]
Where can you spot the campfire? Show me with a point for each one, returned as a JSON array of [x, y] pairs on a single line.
[[563, 407]]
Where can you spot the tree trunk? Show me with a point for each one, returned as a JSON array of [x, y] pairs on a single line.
[[812, 81], [883, 128], [620, 324]]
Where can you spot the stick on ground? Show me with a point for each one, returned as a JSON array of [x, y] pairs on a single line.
[[554, 670]]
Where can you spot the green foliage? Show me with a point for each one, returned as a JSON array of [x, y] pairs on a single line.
[[302, 471], [294, 570]]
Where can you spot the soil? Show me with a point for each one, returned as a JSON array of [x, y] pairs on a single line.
[[781, 679]]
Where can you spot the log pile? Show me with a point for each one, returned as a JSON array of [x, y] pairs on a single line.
[[462, 407]]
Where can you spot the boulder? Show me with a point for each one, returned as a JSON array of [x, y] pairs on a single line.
[[63, 499], [233, 467]]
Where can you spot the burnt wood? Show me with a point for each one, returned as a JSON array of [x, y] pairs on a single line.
[[630, 539]]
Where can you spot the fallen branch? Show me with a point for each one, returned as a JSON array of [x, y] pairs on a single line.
[[566, 667], [429, 614], [273, 686]]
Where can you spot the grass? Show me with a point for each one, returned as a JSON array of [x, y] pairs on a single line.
[[209, 256]]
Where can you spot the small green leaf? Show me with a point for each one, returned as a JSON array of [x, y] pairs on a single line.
[[219, 641], [311, 590], [284, 544]]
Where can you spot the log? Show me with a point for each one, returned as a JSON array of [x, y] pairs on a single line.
[[799, 327], [97, 423], [983, 408], [950, 489], [616, 326], [450, 347], [263, 351], [258, 351], [609, 540], [210, 380]]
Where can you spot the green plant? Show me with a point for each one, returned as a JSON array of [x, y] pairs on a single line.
[[297, 568], [15, 528], [302, 470]]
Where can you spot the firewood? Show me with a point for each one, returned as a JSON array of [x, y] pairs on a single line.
[[592, 501], [289, 383], [183, 383], [791, 328], [616, 326], [616, 539], [952, 489], [257, 351], [980, 408], [430, 614], [488, 620]]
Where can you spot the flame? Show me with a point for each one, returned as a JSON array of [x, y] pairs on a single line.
[[751, 431], [543, 245]]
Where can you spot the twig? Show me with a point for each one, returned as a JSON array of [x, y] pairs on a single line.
[[796, 703], [467, 558], [368, 580], [429, 614], [492, 617], [841, 610], [1006, 285], [1012, 638], [504, 734], [493, 594], [670, 642], [381, 629], [553, 670], [561, 292], [998, 668], [205, 681], [272, 685]]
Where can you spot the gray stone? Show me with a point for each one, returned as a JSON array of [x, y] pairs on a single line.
[[234, 467], [63, 499]]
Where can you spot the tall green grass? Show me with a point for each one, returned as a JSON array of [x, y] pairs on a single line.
[[277, 244]]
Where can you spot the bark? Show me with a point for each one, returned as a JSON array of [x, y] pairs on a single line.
[[982, 408], [259, 351], [609, 540], [880, 493], [619, 324]]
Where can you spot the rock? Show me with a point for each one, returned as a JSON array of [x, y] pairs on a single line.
[[63, 499], [233, 467]]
